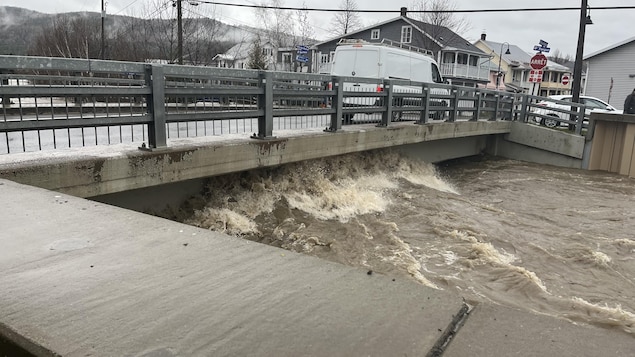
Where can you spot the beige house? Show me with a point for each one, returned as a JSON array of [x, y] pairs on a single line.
[[514, 74]]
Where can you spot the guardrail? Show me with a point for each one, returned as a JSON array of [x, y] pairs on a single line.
[[50, 103]]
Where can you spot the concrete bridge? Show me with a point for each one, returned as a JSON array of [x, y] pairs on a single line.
[[82, 277]]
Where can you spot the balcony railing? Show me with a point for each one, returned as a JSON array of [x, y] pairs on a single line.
[[464, 71]]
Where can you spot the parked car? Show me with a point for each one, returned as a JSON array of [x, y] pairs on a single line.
[[546, 107]]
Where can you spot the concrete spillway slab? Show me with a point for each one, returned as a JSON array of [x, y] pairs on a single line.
[[82, 278], [499, 331]]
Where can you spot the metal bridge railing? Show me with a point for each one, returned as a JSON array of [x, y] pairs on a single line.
[[50, 103]]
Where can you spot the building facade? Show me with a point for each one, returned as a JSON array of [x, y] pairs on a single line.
[[611, 73], [511, 71]]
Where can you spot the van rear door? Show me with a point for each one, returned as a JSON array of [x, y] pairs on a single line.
[[356, 62]]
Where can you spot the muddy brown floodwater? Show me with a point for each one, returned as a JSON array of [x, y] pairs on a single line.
[[555, 241]]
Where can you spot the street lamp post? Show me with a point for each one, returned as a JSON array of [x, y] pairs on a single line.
[[500, 59], [179, 16], [103, 34]]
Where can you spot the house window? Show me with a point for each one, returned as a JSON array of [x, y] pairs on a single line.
[[448, 57], [374, 34], [406, 34], [462, 58], [286, 58], [324, 58]]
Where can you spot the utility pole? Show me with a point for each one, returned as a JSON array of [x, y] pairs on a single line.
[[179, 21], [577, 69], [103, 35]]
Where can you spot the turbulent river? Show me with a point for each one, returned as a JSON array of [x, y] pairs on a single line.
[[551, 240]]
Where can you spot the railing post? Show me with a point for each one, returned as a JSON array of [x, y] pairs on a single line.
[[524, 108], [265, 104], [497, 106], [387, 114], [337, 103], [155, 80], [580, 120], [425, 101], [479, 103], [455, 105]]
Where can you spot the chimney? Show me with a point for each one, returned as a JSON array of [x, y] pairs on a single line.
[[404, 11], [483, 36]]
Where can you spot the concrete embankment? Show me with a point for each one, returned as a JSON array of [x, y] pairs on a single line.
[[84, 278]]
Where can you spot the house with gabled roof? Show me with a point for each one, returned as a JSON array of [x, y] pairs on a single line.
[[238, 55], [510, 70], [611, 72], [459, 60]]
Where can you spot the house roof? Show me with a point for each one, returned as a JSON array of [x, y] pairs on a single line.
[[607, 49], [447, 38], [443, 36]]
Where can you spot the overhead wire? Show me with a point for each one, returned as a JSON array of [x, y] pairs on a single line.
[[253, 6]]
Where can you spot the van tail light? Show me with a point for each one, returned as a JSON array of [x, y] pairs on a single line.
[[380, 89], [330, 87]]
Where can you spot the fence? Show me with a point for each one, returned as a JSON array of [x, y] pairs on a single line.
[[50, 103]]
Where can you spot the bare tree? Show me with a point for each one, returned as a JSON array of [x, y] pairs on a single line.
[[438, 12], [560, 58], [278, 28], [154, 35], [202, 35], [77, 37], [304, 28], [347, 19]]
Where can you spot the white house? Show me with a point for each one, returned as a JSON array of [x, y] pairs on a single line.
[[611, 72], [238, 55]]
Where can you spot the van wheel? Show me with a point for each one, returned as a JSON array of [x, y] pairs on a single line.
[[348, 118], [551, 123]]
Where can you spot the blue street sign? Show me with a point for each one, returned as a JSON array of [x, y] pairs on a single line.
[[542, 49], [543, 43], [303, 59], [302, 50]]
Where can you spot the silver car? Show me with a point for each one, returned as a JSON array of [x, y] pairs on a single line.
[[557, 111]]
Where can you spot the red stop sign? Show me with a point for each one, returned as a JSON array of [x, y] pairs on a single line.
[[565, 79], [539, 61]]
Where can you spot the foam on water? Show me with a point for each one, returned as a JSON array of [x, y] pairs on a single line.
[[517, 234]]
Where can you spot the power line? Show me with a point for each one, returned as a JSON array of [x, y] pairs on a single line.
[[267, 7]]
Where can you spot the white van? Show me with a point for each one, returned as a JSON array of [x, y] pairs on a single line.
[[383, 61]]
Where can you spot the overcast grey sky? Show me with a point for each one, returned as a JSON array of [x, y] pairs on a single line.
[[524, 29]]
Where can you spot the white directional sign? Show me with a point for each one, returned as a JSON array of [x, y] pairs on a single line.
[[302, 50], [303, 59]]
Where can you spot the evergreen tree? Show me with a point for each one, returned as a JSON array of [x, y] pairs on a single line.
[[257, 58]]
